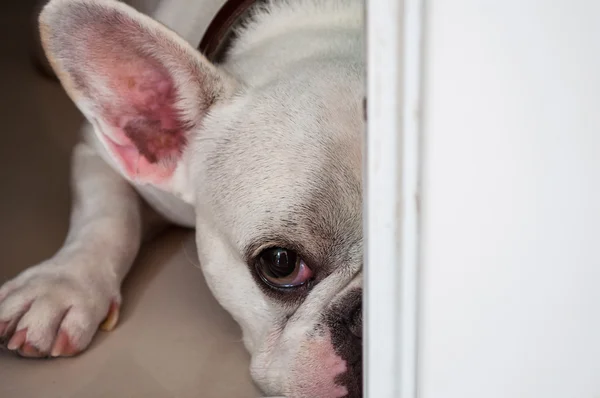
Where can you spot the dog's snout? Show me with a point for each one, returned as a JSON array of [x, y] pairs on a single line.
[[345, 324]]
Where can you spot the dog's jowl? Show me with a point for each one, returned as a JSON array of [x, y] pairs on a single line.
[[255, 140]]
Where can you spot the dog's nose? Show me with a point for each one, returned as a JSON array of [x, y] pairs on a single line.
[[355, 321], [344, 320], [354, 378]]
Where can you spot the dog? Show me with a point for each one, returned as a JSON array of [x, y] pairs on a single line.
[[259, 149]]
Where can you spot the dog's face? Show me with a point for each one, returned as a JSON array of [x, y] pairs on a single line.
[[273, 170], [279, 229]]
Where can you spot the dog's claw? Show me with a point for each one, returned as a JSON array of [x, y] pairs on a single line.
[[112, 318], [17, 340], [62, 346], [29, 351], [61, 341]]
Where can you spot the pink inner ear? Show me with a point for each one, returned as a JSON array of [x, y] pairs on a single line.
[[146, 135]]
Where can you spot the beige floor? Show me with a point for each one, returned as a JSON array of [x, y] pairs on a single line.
[[173, 340]]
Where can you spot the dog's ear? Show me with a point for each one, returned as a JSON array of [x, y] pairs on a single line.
[[141, 86]]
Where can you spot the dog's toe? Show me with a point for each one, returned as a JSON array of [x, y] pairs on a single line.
[[29, 351], [63, 346]]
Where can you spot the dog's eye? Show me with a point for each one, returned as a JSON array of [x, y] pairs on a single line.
[[279, 267]]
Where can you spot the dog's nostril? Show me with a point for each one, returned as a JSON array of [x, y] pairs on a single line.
[[355, 322]]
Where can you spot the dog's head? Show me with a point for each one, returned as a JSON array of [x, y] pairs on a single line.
[[267, 149]]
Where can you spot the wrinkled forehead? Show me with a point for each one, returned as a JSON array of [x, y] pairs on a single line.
[[286, 167]]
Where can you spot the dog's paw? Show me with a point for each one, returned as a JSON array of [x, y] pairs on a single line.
[[55, 310]]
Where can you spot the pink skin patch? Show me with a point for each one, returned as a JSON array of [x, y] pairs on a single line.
[[137, 167], [318, 366], [284, 366], [145, 134]]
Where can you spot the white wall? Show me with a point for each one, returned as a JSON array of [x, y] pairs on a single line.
[[510, 282]]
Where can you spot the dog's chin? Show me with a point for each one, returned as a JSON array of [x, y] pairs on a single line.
[[301, 362]]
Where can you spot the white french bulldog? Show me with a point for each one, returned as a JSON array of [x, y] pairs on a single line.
[[261, 153]]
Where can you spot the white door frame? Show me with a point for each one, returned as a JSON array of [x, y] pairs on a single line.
[[391, 198]]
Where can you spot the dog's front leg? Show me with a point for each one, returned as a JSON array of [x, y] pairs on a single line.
[[56, 307]]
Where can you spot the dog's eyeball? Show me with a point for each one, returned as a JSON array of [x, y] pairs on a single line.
[[280, 267]]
